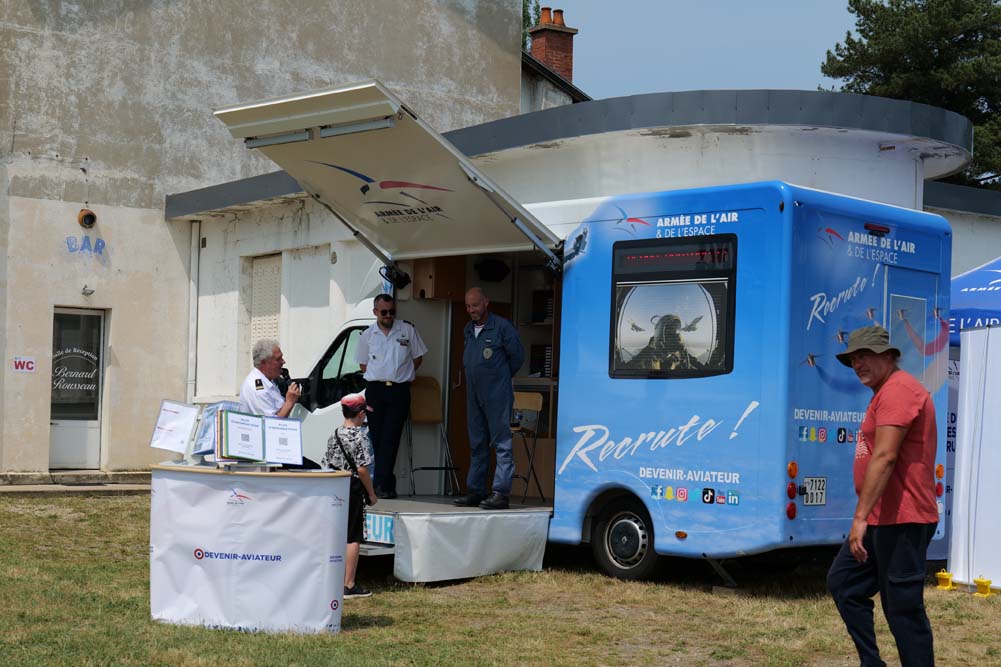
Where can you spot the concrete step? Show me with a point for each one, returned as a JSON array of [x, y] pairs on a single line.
[[53, 490], [72, 478]]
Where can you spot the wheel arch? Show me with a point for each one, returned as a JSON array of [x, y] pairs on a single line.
[[602, 500]]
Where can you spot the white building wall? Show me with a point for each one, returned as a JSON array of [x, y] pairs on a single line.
[[976, 238], [135, 279], [325, 273], [537, 94], [651, 160]]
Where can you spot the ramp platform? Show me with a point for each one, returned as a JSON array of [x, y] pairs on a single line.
[[432, 540]]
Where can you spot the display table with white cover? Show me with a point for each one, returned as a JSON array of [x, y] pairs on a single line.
[[256, 551]]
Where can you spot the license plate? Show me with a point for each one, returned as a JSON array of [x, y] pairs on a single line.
[[816, 491]]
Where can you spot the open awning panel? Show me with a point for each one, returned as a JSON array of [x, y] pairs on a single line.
[[386, 173]]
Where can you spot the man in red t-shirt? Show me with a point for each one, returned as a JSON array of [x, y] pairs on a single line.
[[896, 513]]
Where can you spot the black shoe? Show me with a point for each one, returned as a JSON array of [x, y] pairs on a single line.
[[468, 500], [496, 501], [356, 591], [387, 495]]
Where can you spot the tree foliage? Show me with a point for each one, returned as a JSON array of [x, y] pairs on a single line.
[[946, 53], [530, 12]]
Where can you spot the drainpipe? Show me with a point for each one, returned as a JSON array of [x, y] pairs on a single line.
[[193, 264]]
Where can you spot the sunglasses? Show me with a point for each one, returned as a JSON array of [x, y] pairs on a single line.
[[391, 311]]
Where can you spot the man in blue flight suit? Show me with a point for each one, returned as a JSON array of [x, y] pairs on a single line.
[[493, 354]]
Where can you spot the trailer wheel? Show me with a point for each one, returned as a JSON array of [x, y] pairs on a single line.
[[623, 540]]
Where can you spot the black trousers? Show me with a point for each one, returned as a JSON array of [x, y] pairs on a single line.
[[896, 570], [390, 408], [356, 513]]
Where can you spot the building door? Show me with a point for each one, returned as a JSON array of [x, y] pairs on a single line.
[[77, 371]]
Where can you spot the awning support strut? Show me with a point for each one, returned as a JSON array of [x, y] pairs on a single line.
[[394, 274], [552, 261]]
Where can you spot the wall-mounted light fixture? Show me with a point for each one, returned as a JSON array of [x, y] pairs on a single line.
[[86, 218], [87, 291]]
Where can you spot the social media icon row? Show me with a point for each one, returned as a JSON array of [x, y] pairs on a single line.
[[660, 492], [720, 497], [820, 434]]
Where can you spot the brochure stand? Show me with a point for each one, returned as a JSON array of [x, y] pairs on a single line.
[[175, 428], [238, 440]]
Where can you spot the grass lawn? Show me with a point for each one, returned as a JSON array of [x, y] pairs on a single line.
[[74, 590]]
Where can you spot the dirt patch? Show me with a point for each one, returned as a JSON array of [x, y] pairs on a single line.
[[43, 510]]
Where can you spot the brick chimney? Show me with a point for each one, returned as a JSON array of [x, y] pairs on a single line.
[[552, 42]]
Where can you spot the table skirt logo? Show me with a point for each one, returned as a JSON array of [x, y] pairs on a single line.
[[201, 554], [237, 498]]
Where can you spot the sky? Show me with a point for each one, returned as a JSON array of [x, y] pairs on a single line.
[[647, 46]]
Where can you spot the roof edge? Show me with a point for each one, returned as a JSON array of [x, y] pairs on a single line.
[[962, 198], [233, 193], [719, 107]]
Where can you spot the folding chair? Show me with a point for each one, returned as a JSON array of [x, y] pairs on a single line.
[[527, 426], [425, 408]]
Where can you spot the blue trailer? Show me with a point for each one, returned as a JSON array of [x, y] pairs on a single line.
[[702, 411]]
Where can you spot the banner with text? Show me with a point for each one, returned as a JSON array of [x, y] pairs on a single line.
[[248, 552]]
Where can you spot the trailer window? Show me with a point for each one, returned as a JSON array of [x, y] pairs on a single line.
[[672, 307]]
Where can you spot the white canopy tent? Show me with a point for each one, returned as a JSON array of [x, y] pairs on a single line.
[[975, 545]]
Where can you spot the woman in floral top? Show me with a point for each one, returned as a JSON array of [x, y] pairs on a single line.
[[347, 449]]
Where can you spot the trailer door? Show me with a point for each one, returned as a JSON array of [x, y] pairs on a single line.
[[917, 324], [919, 328], [401, 188]]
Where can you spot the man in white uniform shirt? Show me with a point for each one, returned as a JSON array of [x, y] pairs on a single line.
[[258, 394], [389, 353]]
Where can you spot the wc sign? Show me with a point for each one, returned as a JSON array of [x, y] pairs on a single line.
[[24, 364]]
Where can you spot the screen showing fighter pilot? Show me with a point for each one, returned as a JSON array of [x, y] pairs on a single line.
[[670, 327], [672, 307]]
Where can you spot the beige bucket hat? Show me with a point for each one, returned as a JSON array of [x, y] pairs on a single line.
[[874, 338]]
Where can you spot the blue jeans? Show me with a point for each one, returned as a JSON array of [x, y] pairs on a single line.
[[896, 570], [488, 414]]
